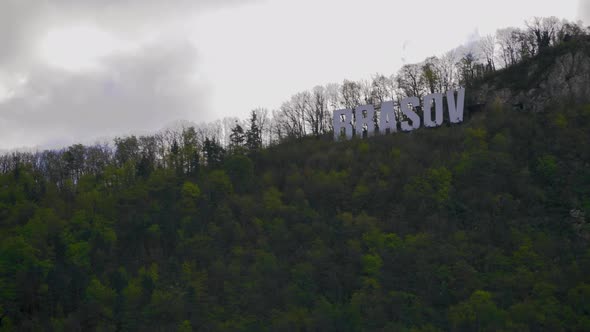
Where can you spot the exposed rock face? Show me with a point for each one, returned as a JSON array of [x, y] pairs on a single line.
[[567, 76]]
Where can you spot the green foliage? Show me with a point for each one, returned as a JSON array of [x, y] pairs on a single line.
[[185, 326], [433, 187], [240, 170], [371, 264], [190, 195], [478, 313], [218, 185], [547, 168]]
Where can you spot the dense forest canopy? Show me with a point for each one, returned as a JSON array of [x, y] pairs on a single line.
[[474, 227]]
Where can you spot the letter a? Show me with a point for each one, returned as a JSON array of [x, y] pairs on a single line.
[[387, 118], [410, 114]]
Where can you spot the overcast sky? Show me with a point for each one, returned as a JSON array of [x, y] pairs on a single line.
[[77, 70]]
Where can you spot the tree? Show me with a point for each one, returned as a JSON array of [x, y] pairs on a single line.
[[185, 326], [190, 194], [527, 46], [262, 121], [508, 46], [333, 96], [487, 46], [191, 151], [74, 158], [218, 186], [410, 80], [236, 138], [381, 89], [431, 75], [469, 69], [569, 31], [544, 30], [351, 94], [366, 92], [253, 135], [478, 313], [447, 71], [176, 160], [127, 149], [292, 118], [316, 115], [213, 151], [148, 146]]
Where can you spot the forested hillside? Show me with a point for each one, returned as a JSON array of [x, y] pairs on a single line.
[[480, 226]]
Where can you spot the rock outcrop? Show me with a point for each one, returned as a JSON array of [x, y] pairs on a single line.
[[535, 84]]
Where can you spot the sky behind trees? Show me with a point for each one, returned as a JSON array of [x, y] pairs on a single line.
[[72, 71]]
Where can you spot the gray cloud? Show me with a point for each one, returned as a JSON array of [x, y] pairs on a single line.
[[584, 11], [23, 22], [139, 90], [142, 91]]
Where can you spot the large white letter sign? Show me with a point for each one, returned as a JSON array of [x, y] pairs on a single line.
[[364, 117], [387, 118], [409, 112], [342, 123], [437, 98], [456, 108], [348, 122]]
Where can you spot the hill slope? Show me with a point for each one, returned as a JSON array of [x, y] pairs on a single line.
[[474, 227]]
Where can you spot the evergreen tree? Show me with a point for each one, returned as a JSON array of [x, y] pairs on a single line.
[[236, 138], [253, 135], [214, 152]]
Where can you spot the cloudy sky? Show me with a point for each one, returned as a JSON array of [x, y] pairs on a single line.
[[78, 70]]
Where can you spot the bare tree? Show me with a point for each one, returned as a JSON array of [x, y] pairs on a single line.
[[527, 46], [351, 94], [317, 115], [544, 30], [262, 121], [293, 119], [487, 47], [366, 92], [410, 80], [333, 97], [508, 45], [447, 70], [276, 126], [569, 30], [380, 89]]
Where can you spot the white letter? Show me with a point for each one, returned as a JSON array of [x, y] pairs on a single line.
[[364, 116], [409, 112], [456, 109], [342, 118], [437, 98], [387, 118]]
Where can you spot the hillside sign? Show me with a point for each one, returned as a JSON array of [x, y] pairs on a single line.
[[364, 118]]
